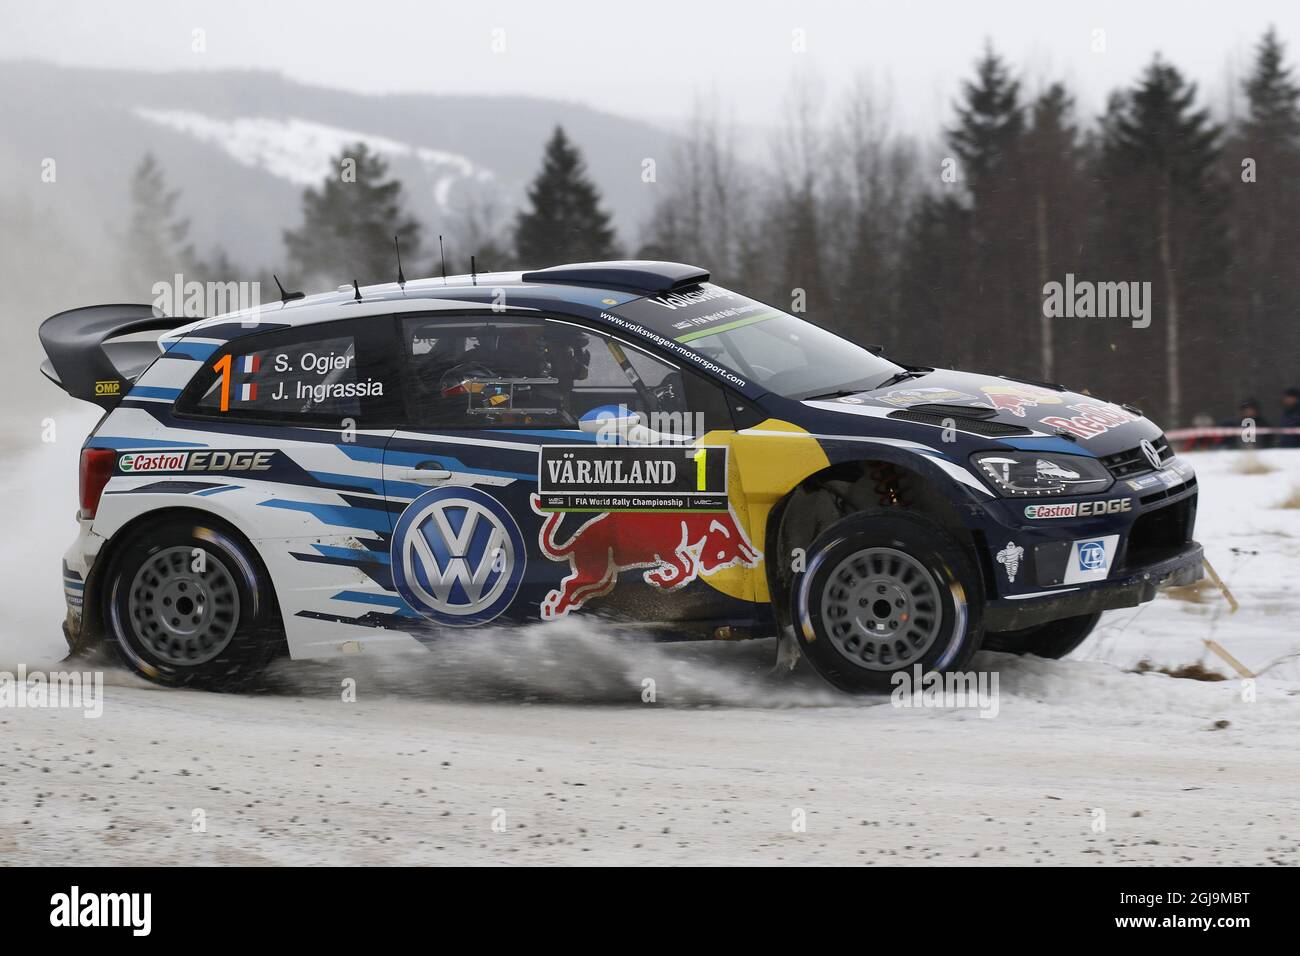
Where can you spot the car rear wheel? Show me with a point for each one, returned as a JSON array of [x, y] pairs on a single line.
[[1052, 640], [188, 604], [882, 594]]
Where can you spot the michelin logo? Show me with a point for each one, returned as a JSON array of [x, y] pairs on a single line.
[[1009, 557]]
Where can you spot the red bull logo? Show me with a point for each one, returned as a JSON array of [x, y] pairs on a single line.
[[1016, 398], [674, 547]]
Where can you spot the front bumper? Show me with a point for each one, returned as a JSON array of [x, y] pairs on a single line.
[[1181, 566]]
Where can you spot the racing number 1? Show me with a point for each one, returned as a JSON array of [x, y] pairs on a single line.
[[700, 471], [223, 366]]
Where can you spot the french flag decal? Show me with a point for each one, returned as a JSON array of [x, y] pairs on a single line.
[[248, 364], [248, 392]]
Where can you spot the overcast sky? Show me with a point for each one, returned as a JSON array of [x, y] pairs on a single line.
[[651, 58]]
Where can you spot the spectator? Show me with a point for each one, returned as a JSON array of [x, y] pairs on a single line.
[[1290, 418]]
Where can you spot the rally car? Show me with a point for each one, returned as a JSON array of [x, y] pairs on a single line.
[[396, 465]]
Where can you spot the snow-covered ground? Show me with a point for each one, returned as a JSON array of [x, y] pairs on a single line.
[[300, 150], [534, 745]]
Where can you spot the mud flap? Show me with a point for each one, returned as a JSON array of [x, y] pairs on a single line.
[[787, 651]]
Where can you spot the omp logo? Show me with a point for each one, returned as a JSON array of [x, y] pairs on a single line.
[[458, 556], [153, 461], [74, 908], [109, 387]]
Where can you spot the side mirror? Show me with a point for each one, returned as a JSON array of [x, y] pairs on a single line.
[[876, 349], [609, 419]]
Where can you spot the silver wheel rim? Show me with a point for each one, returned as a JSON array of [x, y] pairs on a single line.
[[881, 609], [181, 615]]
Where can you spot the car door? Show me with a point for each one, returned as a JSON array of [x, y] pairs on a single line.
[[548, 468], [289, 428]]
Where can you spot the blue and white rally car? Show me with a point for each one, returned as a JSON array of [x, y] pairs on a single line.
[[393, 466]]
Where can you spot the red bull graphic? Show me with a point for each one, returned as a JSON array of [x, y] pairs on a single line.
[[1016, 398], [1094, 418], [675, 548]]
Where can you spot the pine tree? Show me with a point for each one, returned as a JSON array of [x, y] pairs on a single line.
[[990, 123], [1263, 167], [157, 241], [565, 223], [1001, 304], [1159, 153], [350, 221], [1272, 96], [1057, 191], [935, 273]]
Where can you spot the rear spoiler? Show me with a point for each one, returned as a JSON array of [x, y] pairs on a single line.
[[83, 361]]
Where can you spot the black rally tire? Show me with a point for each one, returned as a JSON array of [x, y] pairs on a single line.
[[249, 621], [957, 586], [1052, 640]]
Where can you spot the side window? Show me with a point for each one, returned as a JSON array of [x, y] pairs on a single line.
[[508, 371], [317, 374]]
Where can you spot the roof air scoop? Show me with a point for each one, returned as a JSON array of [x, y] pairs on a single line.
[[633, 275]]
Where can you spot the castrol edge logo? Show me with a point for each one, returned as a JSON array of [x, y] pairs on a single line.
[[153, 461], [140, 462]]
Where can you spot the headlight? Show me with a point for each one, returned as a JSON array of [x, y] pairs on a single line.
[[1024, 474]]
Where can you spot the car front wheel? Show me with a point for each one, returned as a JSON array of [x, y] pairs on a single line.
[[882, 594]]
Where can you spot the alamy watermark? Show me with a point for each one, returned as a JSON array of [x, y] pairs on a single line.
[[976, 690], [133, 911], [196, 300], [1084, 299], [620, 425], [63, 689]]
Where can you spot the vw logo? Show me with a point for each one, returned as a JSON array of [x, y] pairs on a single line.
[[1092, 555], [1149, 450], [458, 556]]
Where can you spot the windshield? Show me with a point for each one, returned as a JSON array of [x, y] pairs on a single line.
[[763, 345]]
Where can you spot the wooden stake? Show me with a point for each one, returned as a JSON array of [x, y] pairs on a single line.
[[1232, 601], [1235, 664]]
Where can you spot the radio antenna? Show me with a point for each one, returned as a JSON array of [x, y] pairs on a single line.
[[473, 271], [286, 296], [443, 256], [401, 279], [356, 288]]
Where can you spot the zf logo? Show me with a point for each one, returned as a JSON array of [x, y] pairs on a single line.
[[1092, 555], [458, 556]]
